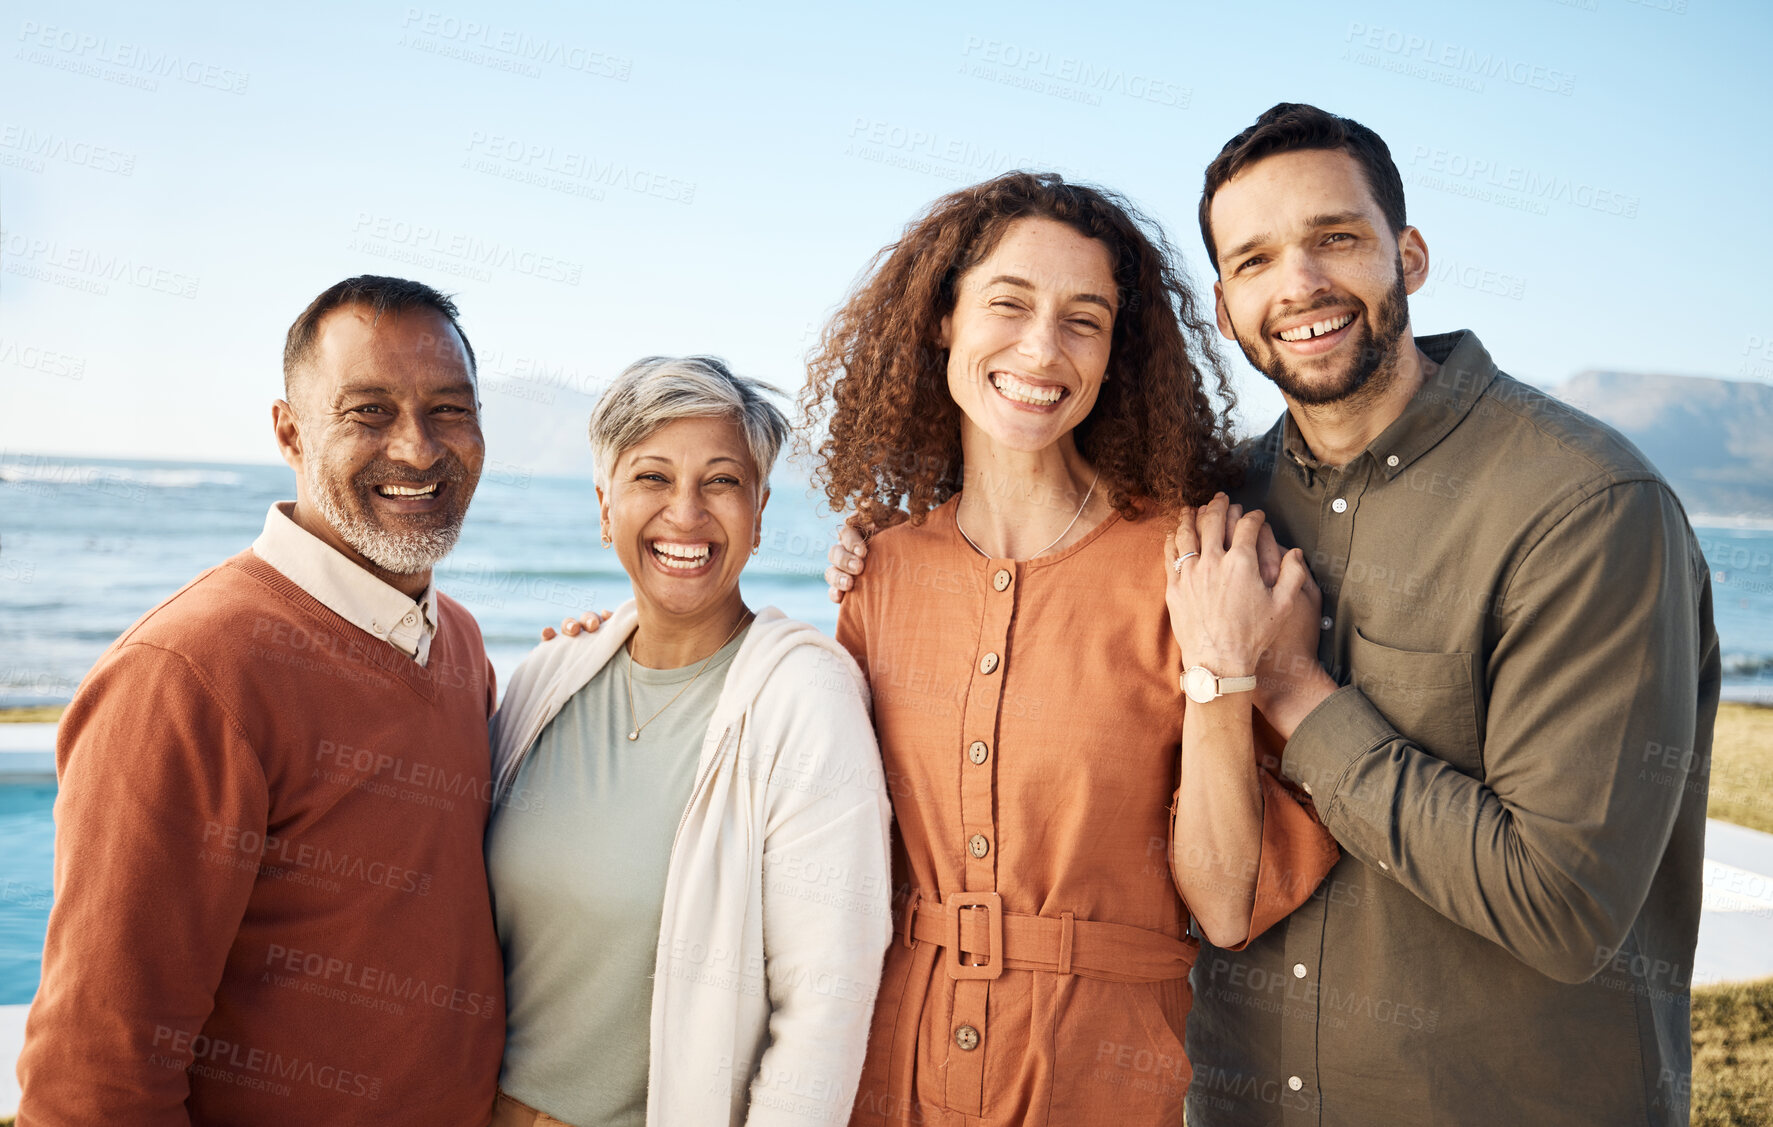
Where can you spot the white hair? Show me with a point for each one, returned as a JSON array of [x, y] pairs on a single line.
[[662, 389]]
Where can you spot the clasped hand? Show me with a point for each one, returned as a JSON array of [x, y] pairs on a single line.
[[1238, 604]]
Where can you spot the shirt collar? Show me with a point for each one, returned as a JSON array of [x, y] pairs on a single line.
[[345, 588], [1438, 406]]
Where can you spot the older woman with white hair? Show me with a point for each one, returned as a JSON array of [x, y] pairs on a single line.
[[688, 851]]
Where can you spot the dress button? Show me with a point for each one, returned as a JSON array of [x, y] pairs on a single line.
[[1391, 461], [1295, 1083], [978, 846], [1340, 505], [1002, 579], [967, 1038], [978, 752], [1298, 970], [1327, 622], [988, 663]]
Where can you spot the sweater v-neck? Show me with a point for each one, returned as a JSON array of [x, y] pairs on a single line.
[[378, 654]]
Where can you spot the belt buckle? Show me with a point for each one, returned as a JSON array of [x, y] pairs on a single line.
[[993, 905]]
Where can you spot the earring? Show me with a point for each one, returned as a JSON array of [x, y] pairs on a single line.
[[607, 542]]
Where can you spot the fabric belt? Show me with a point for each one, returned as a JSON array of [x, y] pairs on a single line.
[[981, 940]]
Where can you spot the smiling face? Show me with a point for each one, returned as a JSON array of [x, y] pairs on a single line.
[[684, 507], [1313, 285], [1028, 338], [385, 439]]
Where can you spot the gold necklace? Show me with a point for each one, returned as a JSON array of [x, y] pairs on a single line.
[[628, 669], [1056, 539]]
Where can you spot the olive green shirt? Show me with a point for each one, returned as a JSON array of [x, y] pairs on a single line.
[[1515, 768]]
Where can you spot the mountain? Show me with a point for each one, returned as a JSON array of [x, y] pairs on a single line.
[[1712, 439]]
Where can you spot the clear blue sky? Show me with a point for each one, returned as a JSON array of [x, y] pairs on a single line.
[[1590, 176]]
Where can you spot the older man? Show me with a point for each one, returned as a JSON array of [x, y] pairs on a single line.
[[1505, 718], [271, 903]]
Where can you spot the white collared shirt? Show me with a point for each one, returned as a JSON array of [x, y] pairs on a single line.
[[344, 587]]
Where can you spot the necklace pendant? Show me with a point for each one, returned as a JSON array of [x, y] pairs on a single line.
[[634, 735]]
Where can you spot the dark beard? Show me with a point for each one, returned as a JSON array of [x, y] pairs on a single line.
[[1370, 372]]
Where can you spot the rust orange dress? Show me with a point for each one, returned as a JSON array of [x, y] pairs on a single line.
[[1030, 724]]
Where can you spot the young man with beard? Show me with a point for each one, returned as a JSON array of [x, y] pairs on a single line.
[[270, 897], [1505, 716]]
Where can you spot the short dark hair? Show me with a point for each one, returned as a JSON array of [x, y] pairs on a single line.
[[380, 295], [1291, 127]]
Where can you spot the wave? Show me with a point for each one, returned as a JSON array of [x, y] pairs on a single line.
[[1747, 665], [78, 474]]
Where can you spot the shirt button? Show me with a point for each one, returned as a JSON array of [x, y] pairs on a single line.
[[1307, 787], [978, 846], [1298, 970], [1295, 1083], [1339, 505], [1327, 622], [1002, 579], [967, 1038], [409, 619], [988, 663], [1391, 461], [978, 752], [1384, 866]]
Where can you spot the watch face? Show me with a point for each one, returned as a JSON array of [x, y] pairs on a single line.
[[1200, 684]]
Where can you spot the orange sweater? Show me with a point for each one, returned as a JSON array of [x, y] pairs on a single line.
[[270, 897], [1030, 723]]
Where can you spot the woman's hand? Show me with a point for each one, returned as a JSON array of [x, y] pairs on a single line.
[[1231, 591], [846, 562], [573, 627]]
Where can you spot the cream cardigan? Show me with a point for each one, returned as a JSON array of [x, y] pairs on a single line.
[[777, 896]]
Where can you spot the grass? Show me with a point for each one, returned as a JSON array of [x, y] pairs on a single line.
[[36, 714], [1733, 1055], [1742, 767]]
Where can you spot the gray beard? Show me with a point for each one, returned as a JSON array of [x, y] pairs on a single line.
[[397, 553]]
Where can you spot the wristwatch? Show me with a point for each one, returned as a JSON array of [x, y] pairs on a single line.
[[1203, 685]]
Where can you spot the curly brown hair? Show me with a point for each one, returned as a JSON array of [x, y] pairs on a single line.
[[881, 380]]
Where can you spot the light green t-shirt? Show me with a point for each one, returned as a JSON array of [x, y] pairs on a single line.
[[578, 885]]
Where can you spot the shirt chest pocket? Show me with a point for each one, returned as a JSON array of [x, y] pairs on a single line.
[[1430, 698]]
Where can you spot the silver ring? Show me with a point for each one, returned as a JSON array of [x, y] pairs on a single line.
[[1184, 556]]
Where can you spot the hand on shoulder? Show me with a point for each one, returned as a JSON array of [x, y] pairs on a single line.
[[572, 627]]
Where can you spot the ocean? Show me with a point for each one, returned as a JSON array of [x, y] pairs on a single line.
[[87, 545]]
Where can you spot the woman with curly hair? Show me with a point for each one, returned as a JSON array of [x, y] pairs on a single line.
[[1025, 375]]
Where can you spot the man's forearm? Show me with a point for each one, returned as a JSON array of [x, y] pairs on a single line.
[[1287, 695], [1546, 837]]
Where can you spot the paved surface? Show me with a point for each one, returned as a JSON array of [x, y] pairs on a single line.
[[27, 751], [1736, 919], [12, 1041]]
